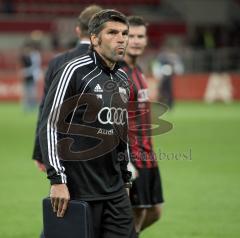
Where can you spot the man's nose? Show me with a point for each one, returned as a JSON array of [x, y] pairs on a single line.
[[135, 40], [121, 37]]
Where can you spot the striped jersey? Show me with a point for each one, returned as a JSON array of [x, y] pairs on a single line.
[[83, 128], [141, 148]]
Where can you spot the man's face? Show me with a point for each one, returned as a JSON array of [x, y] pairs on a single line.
[[111, 42], [137, 41]]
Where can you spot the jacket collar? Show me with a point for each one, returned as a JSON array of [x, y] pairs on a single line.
[[81, 44], [84, 42], [98, 60]]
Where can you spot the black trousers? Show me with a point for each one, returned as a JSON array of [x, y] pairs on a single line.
[[112, 218]]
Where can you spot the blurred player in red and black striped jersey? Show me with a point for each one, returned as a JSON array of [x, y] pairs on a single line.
[[146, 193]]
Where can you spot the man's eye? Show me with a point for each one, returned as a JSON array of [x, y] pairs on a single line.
[[112, 32]]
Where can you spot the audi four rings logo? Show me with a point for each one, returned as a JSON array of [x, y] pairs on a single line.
[[114, 115]]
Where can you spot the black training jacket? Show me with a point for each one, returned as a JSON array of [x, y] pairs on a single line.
[[83, 128]]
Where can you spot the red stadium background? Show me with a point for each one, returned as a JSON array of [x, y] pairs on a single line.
[[168, 22]]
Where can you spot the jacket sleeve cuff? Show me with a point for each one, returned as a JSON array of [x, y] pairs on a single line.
[[58, 179]]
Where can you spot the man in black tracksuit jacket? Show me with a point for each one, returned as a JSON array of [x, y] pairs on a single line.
[[81, 48], [83, 130]]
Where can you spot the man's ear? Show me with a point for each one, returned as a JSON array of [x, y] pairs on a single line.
[[94, 40], [78, 31]]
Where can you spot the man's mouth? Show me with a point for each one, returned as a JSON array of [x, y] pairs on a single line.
[[120, 48]]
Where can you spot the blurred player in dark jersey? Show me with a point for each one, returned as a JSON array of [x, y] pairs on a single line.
[[146, 193], [82, 47]]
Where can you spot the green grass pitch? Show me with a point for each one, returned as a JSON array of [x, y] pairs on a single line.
[[201, 190]]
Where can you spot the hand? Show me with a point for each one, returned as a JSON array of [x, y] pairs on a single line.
[[40, 166], [59, 195], [133, 170]]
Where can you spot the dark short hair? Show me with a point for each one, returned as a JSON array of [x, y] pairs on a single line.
[[137, 21], [85, 16], [97, 22]]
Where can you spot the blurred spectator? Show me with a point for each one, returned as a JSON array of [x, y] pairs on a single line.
[[31, 72], [209, 39], [166, 65], [216, 36], [55, 38]]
